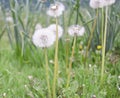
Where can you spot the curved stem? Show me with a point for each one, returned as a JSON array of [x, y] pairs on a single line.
[[91, 36], [104, 46], [56, 62], [70, 64], [47, 73]]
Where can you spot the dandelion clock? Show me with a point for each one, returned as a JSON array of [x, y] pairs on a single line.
[[43, 38]]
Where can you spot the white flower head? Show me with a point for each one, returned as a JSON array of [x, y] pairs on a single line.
[[76, 30], [56, 9], [95, 3], [38, 26], [43, 38], [108, 2], [100, 3], [9, 19], [52, 27]]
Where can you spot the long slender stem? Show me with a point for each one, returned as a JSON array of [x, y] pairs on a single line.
[[104, 46], [67, 52], [47, 73], [91, 36], [70, 64], [102, 24], [56, 62]]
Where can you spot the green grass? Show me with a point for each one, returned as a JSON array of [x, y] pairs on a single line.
[[15, 83], [23, 75]]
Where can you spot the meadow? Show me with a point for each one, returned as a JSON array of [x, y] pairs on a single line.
[[79, 57]]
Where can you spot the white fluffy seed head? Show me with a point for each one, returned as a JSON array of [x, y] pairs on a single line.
[[56, 9], [52, 27], [100, 3], [9, 19], [76, 30], [43, 38], [108, 2], [38, 26], [95, 3]]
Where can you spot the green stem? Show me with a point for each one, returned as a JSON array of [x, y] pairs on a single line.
[[56, 62], [70, 64], [67, 52], [91, 36], [102, 30], [47, 73], [104, 46]]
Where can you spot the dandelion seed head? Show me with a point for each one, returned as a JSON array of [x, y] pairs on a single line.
[[95, 4], [43, 38], [52, 27], [76, 30], [38, 26], [56, 9], [108, 2], [100, 3], [9, 19]]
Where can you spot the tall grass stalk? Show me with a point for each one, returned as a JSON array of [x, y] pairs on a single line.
[[104, 45], [47, 73], [71, 61], [7, 28], [90, 38], [56, 62]]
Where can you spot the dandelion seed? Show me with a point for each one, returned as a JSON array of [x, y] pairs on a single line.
[[76, 30], [30, 77], [118, 77], [52, 27], [118, 86], [38, 26], [25, 86], [83, 85], [90, 65], [4, 94], [93, 96], [51, 61], [43, 38], [56, 9]]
